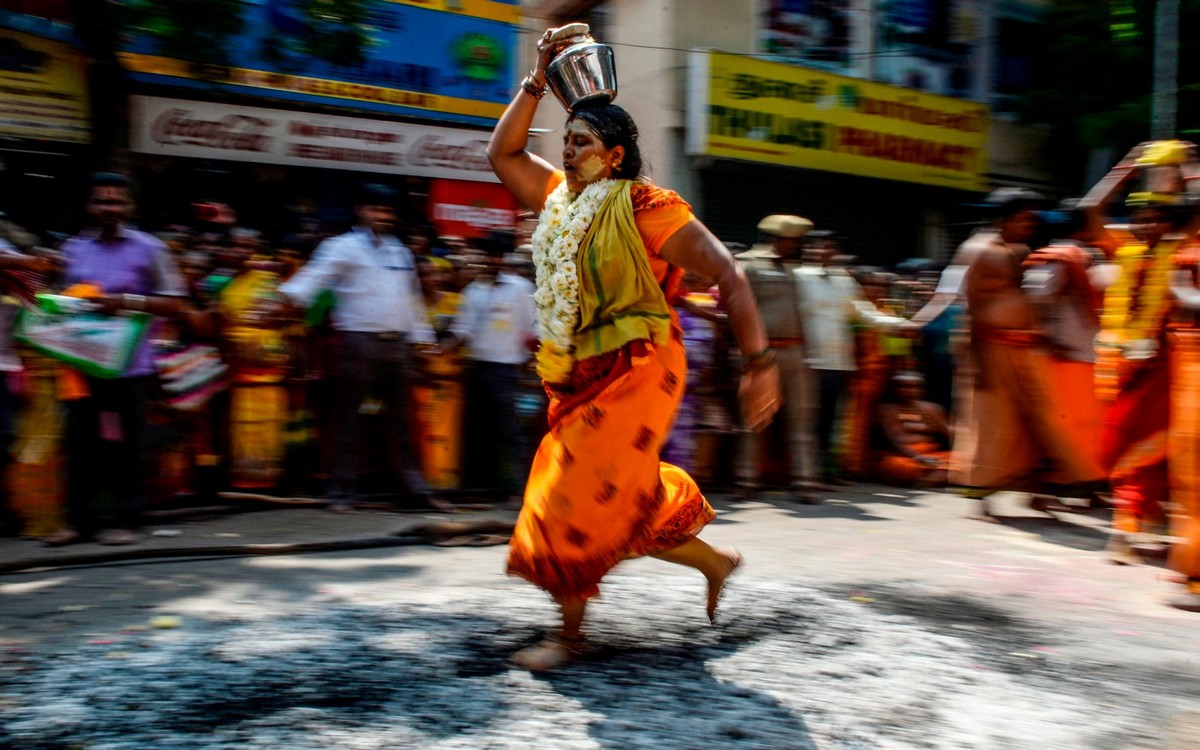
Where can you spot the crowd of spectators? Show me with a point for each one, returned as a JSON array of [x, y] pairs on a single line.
[[385, 365]]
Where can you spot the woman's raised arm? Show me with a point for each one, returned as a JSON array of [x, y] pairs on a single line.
[[525, 174]]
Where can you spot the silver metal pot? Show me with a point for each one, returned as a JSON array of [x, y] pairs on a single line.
[[584, 72]]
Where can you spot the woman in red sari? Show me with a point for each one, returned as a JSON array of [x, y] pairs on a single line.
[[610, 250]]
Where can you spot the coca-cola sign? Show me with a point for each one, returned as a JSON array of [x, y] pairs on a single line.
[[207, 130], [233, 132], [436, 151]]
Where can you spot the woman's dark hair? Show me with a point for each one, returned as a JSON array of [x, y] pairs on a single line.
[[615, 128]]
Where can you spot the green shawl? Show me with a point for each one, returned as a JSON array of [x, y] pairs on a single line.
[[619, 297]]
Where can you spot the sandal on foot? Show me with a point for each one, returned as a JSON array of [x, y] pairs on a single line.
[[551, 652], [1188, 602], [983, 512], [1049, 504], [63, 537], [745, 491], [1119, 551], [805, 493], [716, 589]]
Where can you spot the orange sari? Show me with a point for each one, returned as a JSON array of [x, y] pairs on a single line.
[[903, 471], [598, 493], [1184, 450]]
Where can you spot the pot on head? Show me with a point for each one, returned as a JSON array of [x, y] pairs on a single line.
[[583, 72]]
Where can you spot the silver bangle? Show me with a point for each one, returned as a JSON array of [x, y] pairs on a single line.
[[128, 301], [532, 88]]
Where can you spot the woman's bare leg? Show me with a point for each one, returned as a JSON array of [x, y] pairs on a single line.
[[572, 618], [555, 651], [716, 565]]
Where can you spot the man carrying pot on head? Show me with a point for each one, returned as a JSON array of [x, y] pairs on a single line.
[[1135, 372]]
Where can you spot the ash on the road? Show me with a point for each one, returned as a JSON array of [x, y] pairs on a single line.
[[790, 667]]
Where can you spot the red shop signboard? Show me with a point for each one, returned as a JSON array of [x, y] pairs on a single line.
[[470, 209]]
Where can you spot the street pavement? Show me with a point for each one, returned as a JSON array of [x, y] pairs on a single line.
[[882, 618]]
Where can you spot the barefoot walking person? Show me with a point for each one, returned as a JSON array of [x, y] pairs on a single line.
[[610, 249]]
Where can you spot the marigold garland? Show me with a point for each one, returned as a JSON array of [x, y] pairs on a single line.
[[1136, 305]]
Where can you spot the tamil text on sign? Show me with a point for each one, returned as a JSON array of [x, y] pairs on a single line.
[[745, 108]]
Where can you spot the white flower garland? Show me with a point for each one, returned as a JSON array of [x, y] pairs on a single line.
[[561, 227]]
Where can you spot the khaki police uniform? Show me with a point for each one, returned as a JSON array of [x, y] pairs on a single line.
[[777, 290]]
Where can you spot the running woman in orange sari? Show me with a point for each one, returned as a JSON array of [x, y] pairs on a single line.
[[610, 249]]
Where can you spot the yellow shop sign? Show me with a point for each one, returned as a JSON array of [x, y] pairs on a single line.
[[744, 108], [43, 87]]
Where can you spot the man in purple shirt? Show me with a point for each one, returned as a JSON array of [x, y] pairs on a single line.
[[105, 442]]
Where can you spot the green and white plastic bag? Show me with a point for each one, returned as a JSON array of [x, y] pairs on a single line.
[[72, 332]]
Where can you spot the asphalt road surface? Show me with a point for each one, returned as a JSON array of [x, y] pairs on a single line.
[[880, 619]]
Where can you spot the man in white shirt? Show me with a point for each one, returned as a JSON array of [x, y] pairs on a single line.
[[831, 303], [497, 322], [380, 317]]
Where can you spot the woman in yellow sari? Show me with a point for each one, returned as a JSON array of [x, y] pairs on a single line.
[[258, 355], [438, 393], [610, 249]]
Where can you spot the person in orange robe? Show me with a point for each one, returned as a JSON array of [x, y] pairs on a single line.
[[1009, 439], [613, 362], [918, 436], [1183, 442], [1058, 280]]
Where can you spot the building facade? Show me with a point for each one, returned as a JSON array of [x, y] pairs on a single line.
[[884, 122], [45, 121], [283, 135]]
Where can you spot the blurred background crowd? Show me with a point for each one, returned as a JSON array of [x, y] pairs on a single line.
[[246, 386], [255, 408], [313, 336]]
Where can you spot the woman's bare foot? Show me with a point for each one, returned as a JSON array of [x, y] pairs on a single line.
[[549, 653], [716, 584]]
